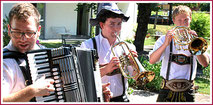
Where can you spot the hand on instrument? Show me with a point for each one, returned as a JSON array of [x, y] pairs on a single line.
[[168, 37], [42, 86], [134, 54], [192, 32], [112, 65], [106, 92]]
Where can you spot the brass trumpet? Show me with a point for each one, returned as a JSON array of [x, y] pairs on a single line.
[[130, 66], [182, 37]]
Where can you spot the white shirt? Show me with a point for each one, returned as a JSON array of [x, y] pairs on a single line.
[[176, 71], [105, 55], [13, 79]]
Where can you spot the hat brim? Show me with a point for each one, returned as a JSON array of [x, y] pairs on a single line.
[[95, 22]]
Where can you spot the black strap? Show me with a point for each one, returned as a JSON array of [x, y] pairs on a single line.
[[191, 72], [17, 55], [123, 84], [169, 62], [94, 43]]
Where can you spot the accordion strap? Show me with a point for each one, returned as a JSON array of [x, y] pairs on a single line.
[[26, 73], [17, 55]]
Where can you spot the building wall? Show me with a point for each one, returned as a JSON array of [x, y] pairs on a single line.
[[63, 15], [129, 9], [6, 8], [60, 15]]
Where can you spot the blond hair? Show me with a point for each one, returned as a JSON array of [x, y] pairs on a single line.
[[180, 10]]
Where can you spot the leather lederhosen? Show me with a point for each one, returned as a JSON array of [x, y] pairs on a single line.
[[185, 92]]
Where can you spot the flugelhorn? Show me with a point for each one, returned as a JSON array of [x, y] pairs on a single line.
[[182, 37], [130, 66]]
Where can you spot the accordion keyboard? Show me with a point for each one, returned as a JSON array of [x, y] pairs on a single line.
[[61, 65]]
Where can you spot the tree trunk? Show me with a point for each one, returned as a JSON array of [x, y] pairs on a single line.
[[170, 13], [144, 12], [156, 20]]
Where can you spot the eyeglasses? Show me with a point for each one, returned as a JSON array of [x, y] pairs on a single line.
[[18, 34]]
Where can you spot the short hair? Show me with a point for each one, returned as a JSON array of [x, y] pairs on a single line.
[[180, 10], [108, 14], [22, 11]]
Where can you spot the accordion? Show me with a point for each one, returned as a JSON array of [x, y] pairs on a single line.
[[74, 71]]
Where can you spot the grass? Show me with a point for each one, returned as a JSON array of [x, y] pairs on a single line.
[[149, 41], [204, 85], [161, 28], [51, 44]]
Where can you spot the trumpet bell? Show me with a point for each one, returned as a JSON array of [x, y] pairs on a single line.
[[198, 46], [129, 65], [145, 77], [182, 37]]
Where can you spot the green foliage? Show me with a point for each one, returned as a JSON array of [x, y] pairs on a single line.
[[89, 6], [150, 41], [130, 91], [6, 37], [205, 7], [155, 7], [206, 72], [204, 85], [201, 24], [190, 5], [151, 31], [154, 85], [129, 40]]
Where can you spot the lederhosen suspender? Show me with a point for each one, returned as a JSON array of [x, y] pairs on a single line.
[[95, 47], [170, 60]]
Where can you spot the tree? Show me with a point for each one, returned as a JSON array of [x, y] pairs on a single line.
[[170, 13], [155, 7], [144, 12], [6, 37]]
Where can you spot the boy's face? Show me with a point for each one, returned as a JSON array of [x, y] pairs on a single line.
[[182, 20], [111, 27]]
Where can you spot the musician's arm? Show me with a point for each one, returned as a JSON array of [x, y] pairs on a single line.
[[203, 60], [103, 71], [108, 68], [24, 95]]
